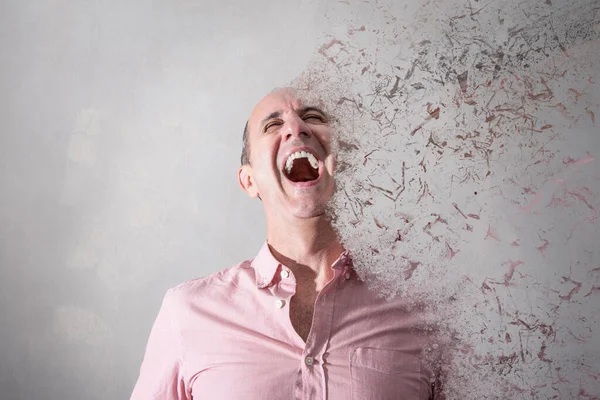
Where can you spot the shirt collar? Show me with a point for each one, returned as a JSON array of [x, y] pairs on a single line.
[[266, 265], [344, 261]]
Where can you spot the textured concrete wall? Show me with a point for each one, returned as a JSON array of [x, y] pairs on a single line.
[[470, 147]]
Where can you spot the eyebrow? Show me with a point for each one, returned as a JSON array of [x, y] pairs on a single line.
[[302, 111], [275, 114]]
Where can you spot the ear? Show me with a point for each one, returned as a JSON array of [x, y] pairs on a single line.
[[246, 181]]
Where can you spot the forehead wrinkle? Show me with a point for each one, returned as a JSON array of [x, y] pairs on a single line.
[[298, 109]]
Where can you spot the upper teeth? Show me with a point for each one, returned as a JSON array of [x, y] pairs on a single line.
[[301, 154]]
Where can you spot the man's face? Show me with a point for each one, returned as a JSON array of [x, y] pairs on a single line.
[[291, 164]]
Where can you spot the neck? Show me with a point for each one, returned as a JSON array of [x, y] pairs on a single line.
[[307, 246]]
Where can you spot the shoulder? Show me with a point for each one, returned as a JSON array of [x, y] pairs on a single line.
[[204, 300], [225, 281]]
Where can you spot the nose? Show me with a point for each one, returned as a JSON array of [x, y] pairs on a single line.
[[296, 129]]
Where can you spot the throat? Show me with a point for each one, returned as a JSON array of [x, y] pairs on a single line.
[[302, 171], [302, 307]]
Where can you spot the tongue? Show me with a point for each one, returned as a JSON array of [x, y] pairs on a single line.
[[302, 171]]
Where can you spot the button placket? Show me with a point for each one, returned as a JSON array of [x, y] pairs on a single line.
[[282, 289], [313, 384]]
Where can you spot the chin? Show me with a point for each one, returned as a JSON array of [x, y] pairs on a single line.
[[308, 209], [309, 203]]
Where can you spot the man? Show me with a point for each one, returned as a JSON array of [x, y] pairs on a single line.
[[295, 322]]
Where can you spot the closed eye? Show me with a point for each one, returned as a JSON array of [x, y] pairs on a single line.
[[271, 124], [314, 117]]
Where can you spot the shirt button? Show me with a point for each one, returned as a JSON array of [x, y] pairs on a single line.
[[284, 273], [348, 275], [279, 303], [309, 360]]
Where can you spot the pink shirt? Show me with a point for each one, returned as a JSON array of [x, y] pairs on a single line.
[[229, 336]]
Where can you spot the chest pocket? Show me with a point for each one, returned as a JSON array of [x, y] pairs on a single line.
[[383, 374]]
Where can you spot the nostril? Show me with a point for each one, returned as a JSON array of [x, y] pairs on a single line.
[[291, 134]]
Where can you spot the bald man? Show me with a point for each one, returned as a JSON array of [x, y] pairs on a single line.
[[295, 322]]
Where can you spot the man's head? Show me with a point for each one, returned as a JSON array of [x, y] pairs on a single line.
[[286, 157]]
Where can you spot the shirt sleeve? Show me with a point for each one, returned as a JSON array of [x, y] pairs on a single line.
[[161, 374]]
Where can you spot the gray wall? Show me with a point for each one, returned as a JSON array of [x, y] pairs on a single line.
[[120, 133]]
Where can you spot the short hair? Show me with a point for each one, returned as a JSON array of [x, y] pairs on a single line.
[[245, 159]]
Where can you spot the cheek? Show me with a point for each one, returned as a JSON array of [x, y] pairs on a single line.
[[265, 174], [325, 139]]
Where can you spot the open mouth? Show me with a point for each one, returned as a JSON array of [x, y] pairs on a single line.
[[301, 166]]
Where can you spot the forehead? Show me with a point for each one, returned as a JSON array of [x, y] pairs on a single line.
[[281, 100]]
